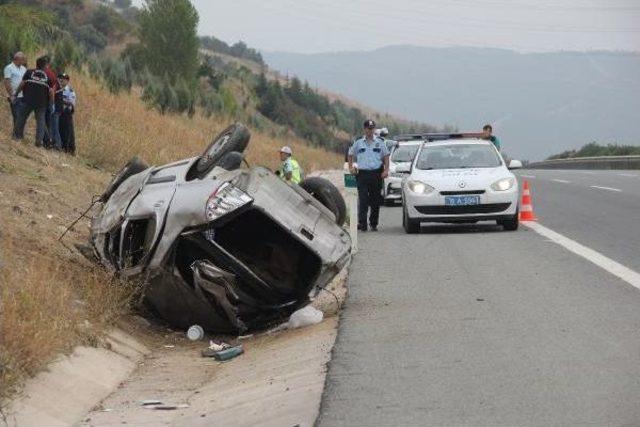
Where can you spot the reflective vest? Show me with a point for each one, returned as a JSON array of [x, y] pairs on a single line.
[[296, 175]]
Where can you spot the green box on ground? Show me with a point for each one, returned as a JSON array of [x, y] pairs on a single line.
[[350, 180]]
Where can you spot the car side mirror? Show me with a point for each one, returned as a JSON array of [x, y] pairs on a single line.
[[515, 164], [403, 168]]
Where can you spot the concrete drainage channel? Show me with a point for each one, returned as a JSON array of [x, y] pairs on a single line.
[[158, 377]]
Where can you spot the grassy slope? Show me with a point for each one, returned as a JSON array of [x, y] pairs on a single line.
[[50, 297]]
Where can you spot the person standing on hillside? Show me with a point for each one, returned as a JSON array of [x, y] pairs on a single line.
[[36, 99], [65, 107], [486, 134], [372, 156], [48, 140], [13, 74], [290, 168]]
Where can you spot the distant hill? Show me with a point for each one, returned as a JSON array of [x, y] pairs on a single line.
[[539, 103]]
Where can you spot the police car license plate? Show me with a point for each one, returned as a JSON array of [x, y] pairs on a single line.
[[461, 200]]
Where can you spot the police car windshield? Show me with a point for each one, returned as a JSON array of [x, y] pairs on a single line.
[[457, 156], [404, 153]]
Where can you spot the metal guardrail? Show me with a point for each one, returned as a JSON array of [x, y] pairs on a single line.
[[601, 162]]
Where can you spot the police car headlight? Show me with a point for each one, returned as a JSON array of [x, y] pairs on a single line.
[[419, 187], [503, 184], [225, 199]]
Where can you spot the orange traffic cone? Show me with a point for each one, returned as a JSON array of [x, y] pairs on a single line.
[[526, 209]]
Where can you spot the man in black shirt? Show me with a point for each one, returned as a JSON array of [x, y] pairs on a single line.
[[37, 95]]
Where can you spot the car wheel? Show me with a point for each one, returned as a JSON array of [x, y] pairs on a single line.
[[234, 138], [327, 194], [231, 161], [512, 223], [134, 166], [411, 226]]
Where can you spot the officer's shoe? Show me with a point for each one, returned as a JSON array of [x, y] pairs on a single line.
[[374, 228], [362, 227]]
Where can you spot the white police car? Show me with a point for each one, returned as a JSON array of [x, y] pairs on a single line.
[[458, 179], [401, 157]]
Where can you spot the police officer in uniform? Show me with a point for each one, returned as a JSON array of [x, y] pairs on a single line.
[[372, 157]]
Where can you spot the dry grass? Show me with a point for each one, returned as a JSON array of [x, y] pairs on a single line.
[[51, 298], [113, 128]]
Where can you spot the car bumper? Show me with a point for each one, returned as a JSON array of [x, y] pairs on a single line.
[[393, 188], [431, 207]]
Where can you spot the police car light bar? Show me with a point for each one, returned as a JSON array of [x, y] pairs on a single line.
[[437, 136]]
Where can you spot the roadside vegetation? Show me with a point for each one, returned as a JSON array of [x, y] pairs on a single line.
[[593, 149]]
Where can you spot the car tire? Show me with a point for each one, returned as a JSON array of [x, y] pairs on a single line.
[[134, 166], [411, 226], [234, 138], [512, 223], [231, 161], [327, 194]]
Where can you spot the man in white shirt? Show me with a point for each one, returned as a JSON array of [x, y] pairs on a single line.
[[13, 74]]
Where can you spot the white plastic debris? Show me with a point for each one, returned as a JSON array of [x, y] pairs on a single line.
[[218, 346], [195, 333], [49, 216], [306, 316]]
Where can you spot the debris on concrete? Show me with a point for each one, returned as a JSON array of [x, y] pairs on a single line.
[[306, 316], [169, 346], [168, 407], [225, 354], [195, 333], [214, 346], [148, 402]]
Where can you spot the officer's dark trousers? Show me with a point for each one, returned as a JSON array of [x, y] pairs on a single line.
[[369, 196], [67, 133]]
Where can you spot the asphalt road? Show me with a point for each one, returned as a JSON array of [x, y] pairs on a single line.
[[470, 325]]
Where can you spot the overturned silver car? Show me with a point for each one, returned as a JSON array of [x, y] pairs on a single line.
[[227, 248]]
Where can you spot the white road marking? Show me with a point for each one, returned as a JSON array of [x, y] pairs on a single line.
[[630, 276], [564, 181], [632, 175], [607, 188], [528, 176]]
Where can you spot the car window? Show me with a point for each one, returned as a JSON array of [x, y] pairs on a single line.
[[404, 153], [458, 156]]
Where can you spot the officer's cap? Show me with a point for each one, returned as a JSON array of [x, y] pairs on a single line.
[[369, 124]]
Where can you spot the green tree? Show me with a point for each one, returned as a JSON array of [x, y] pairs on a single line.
[[24, 28], [169, 39]]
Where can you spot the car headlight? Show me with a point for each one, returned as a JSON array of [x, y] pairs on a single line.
[[225, 199], [419, 187], [503, 184]]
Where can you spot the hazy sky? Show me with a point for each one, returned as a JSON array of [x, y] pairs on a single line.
[[310, 26]]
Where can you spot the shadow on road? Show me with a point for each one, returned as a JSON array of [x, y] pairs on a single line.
[[460, 228]]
